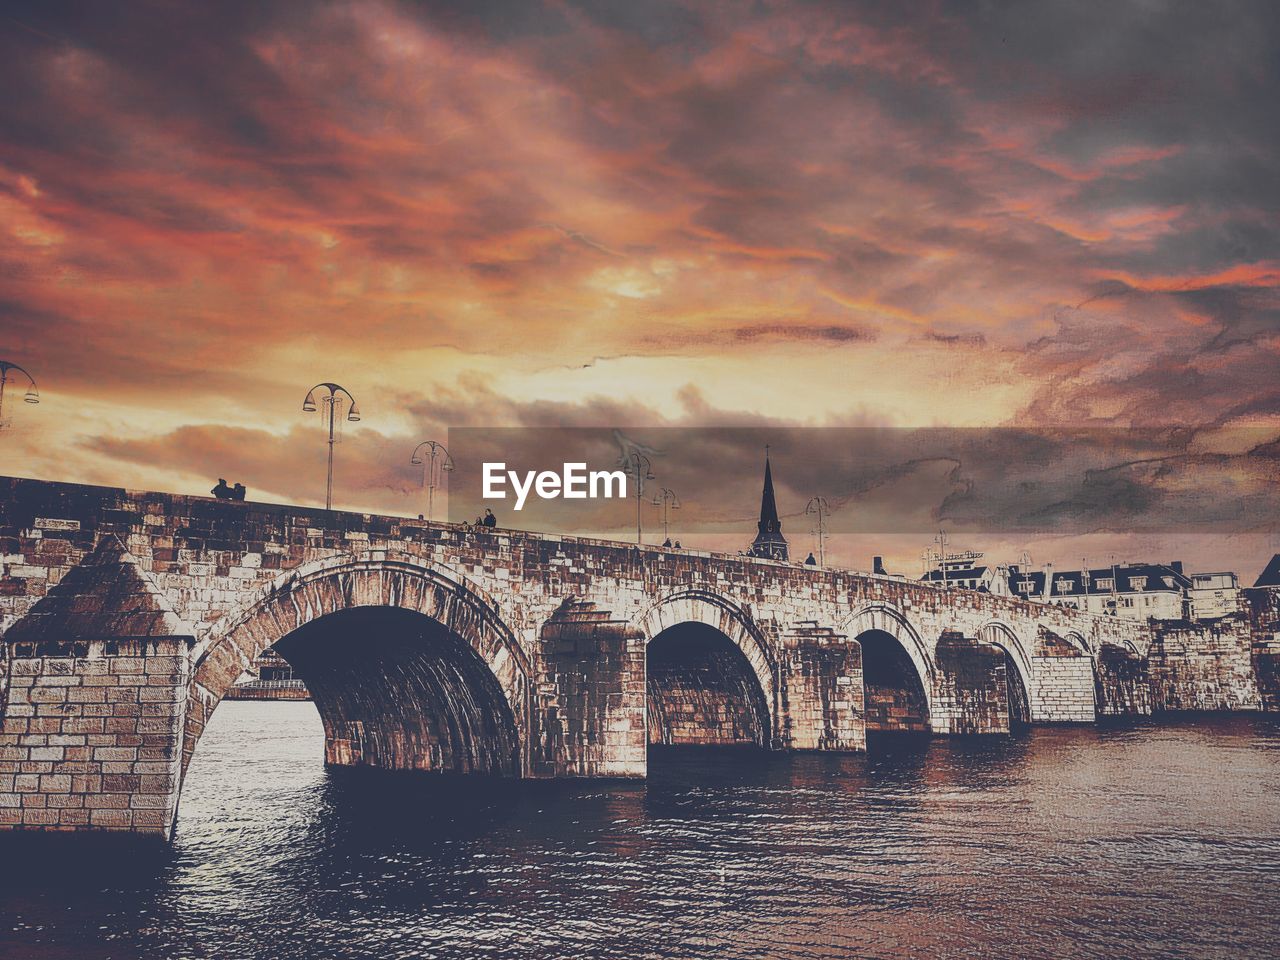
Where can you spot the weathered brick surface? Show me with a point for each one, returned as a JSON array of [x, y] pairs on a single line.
[[73, 775], [104, 639], [1063, 689], [1122, 683], [1204, 666], [1263, 606], [590, 698], [824, 705], [549, 638], [971, 694], [702, 691]]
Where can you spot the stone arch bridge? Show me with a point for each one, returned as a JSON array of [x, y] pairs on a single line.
[[126, 616]]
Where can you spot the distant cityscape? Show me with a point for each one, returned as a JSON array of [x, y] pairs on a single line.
[[1132, 589]]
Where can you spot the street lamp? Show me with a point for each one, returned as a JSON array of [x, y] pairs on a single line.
[[819, 506], [668, 501], [431, 477], [639, 464], [32, 395], [331, 400]]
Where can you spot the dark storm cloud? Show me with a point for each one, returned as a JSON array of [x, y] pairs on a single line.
[[1080, 199]]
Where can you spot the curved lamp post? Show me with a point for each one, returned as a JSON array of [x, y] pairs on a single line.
[[330, 399], [431, 475], [638, 464], [668, 501], [33, 393], [819, 506]]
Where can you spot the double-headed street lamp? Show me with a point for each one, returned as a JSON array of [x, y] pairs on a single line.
[[640, 467], [819, 506], [668, 501], [331, 400], [32, 395], [432, 475]]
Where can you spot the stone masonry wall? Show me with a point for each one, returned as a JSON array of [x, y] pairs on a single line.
[[823, 699], [705, 695], [1122, 684], [1263, 607], [589, 714], [895, 710], [91, 735], [1203, 666], [1061, 688], [971, 695]]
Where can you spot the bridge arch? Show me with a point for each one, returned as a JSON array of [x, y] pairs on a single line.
[[899, 673], [446, 637], [1018, 669], [1076, 639], [705, 655], [889, 619], [1121, 679]]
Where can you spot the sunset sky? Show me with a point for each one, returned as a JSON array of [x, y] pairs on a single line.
[[630, 214]]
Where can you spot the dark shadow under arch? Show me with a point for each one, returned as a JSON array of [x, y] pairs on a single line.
[[397, 690], [896, 701], [1017, 672], [702, 690], [1019, 700]]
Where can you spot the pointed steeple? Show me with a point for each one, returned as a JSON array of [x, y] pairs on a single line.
[[768, 506], [769, 542]]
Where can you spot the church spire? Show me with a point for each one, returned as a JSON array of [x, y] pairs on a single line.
[[769, 542]]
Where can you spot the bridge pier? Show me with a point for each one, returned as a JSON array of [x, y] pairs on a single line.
[[1122, 684], [823, 696], [590, 698], [971, 691]]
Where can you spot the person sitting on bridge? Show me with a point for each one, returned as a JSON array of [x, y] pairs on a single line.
[[809, 561], [238, 492], [489, 519], [221, 491], [666, 542]]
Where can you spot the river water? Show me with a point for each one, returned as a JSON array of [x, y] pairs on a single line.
[[1146, 840]]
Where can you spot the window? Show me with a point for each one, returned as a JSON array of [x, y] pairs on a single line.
[[1137, 583], [1168, 582], [1024, 586], [1106, 583], [1062, 586]]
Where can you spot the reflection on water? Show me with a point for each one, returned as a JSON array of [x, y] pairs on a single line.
[[1140, 840]]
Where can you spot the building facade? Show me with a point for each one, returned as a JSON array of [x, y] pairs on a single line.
[[1135, 591], [1214, 595]]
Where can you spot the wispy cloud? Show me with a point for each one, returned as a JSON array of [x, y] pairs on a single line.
[[945, 214]]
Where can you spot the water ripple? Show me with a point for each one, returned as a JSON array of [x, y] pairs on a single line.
[[1129, 840]]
